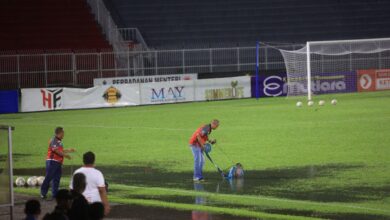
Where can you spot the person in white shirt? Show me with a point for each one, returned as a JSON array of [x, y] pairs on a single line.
[[96, 187]]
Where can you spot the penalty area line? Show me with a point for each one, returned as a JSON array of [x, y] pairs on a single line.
[[104, 126]]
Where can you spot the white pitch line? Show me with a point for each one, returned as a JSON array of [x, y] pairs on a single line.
[[103, 126]]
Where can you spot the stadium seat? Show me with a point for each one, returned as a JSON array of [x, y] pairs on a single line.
[[48, 25], [55, 28], [219, 23]]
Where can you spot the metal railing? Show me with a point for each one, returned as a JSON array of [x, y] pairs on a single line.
[[109, 28], [79, 69], [133, 35]]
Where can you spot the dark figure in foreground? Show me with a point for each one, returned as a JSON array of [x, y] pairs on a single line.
[[32, 209], [64, 201], [80, 206], [96, 211]]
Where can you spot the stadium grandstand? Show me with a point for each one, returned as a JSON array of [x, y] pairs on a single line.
[[43, 26], [73, 41], [226, 23]]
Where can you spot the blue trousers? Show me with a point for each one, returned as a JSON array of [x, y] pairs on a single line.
[[198, 161], [53, 175]]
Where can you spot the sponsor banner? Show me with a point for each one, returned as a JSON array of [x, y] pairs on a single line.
[[223, 88], [144, 79], [160, 93], [383, 79], [373, 80], [101, 96], [366, 80], [324, 83], [271, 85], [71, 98], [135, 94], [42, 99]]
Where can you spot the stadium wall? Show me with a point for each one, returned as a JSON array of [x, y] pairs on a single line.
[[103, 96], [274, 83], [9, 101], [148, 90]]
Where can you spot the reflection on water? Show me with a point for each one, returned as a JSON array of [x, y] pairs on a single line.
[[156, 213], [200, 200], [236, 185]]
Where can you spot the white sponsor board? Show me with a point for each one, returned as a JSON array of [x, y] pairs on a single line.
[[223, 88], [159, 93], [144, 79], [383, 79], [71, 98], [135, 94], [101, 96], [42, 99]]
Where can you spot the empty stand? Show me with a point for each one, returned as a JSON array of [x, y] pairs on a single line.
[[219, 23], [48, 25], [43, 42]]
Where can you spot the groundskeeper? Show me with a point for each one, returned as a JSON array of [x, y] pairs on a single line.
[[197, 143]]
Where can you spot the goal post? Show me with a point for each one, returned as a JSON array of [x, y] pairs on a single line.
[[323, 67], [257, 92], [6, 169], [308, 70]]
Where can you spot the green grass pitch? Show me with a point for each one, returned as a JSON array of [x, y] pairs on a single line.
[[308, 162]]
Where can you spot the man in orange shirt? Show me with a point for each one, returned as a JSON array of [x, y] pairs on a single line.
[[54, 159], [197, 142]]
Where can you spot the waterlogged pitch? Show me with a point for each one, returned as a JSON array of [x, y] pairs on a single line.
[[327, 162]]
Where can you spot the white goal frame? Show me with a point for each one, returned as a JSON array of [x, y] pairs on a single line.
[[308, 53]]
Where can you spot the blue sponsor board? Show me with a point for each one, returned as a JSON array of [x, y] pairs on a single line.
[[8, 101], [324, 83], [271, 85]]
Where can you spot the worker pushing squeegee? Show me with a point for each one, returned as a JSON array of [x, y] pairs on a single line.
[[200, 144]]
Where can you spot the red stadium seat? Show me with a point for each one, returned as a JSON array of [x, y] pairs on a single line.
[[57, 29]]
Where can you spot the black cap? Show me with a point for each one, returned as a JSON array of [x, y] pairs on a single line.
[[63, 194]]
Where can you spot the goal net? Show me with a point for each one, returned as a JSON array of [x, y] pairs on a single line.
[[331, 66]]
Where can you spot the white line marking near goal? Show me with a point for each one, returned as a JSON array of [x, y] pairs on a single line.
[[103, 126]]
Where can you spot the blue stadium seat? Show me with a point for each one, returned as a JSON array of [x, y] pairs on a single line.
[[213, 23]]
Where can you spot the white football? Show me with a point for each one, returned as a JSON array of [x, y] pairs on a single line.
[[20, 181], [40, 180], [299, 104], [334, 101], [321, 103], [310, 103], [32, 181]]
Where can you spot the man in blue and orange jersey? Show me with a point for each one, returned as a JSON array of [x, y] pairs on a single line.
[[197, 142], [54, 160]]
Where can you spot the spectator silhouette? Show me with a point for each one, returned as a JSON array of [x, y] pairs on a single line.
[[96, 211], [80, 206], [32, 209], [64, 202]]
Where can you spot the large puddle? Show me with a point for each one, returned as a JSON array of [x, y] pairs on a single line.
[[268, 182], [152, 213]]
